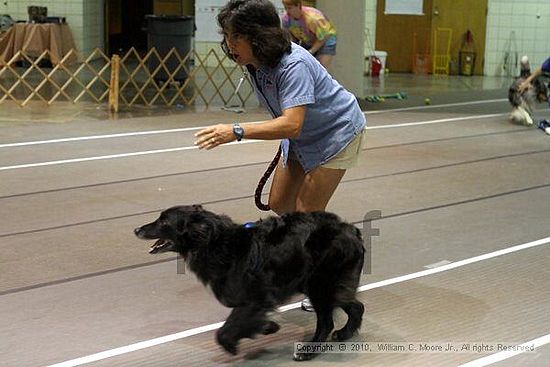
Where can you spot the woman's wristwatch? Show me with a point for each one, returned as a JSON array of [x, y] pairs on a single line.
[[238, 131]]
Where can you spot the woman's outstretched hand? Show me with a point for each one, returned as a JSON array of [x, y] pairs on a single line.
[[213, 136]]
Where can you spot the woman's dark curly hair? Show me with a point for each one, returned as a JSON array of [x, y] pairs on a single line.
[[259, 23]]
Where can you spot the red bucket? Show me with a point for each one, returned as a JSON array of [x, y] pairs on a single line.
[[376, 66]]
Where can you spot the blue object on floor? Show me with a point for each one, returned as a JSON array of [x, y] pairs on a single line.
[[544, 125]]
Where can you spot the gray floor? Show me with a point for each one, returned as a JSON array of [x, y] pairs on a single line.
[[453, 180]]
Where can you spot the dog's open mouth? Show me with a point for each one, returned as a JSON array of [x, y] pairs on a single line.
[[160, 245]]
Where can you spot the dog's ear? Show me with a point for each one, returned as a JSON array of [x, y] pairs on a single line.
[[184, 215], [199, 229], [191, 223], [181, 224]]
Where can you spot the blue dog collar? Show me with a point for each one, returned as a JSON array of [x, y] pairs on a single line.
[[249, 225]]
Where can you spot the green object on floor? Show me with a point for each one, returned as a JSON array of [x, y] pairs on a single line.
[[382, 97]]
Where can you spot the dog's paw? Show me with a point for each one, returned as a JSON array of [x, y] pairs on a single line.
[[270, 327], [341, 335], [299, 357], [227, 343], [229, 347]]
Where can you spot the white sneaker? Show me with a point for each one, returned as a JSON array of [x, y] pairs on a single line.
[[307, 306]]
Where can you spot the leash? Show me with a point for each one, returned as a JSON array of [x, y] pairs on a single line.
[[262, 182]]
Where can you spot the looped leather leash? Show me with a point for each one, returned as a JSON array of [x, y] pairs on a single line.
[[262, 182]]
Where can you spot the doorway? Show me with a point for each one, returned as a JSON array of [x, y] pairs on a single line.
[[396, 34], [125, 25], [460, 17]]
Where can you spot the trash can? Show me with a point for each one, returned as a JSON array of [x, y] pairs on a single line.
[[378, 62], [165, 32]]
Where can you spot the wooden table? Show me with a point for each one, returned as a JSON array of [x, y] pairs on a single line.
[[34, 39]]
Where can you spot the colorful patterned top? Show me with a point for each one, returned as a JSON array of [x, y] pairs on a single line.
[[311, 26]]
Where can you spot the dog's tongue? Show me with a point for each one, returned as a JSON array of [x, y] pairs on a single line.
[[157, 246]]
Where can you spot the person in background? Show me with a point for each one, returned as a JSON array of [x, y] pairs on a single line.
[[320, 123], [310, 29], [544, 68]]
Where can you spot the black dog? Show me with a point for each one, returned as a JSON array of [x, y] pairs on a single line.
[[254, 269]]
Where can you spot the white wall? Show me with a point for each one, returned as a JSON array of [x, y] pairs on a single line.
[[530, 20], [370, 26]]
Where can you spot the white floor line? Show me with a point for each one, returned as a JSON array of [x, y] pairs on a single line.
[[157, 151], [455, 265], [501, 356], [187, 333], [438, 121], [169, 131], [137, 346], [111, 156], [97, 137], [437, 106], [97, 158]]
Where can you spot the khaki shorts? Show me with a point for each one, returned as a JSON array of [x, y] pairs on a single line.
[[348, 157]]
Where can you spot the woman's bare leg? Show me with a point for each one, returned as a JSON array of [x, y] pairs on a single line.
[[317, 188], [285, 187]]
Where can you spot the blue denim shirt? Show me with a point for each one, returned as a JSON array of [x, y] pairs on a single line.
[[333, 117]]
